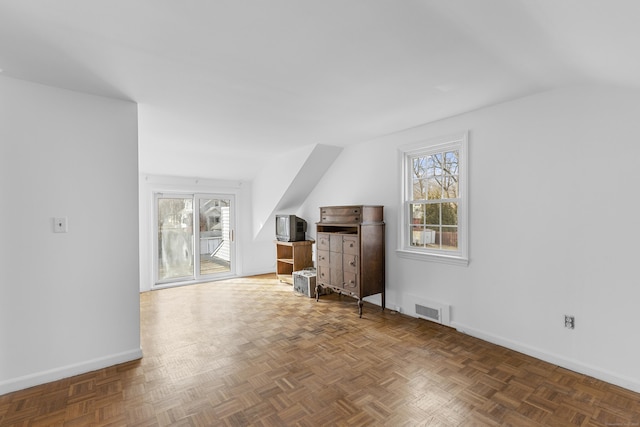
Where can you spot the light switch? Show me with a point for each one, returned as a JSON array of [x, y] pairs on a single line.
[[60, 225]]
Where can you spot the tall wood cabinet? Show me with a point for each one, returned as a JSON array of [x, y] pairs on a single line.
[[350, 251], [292, 256]]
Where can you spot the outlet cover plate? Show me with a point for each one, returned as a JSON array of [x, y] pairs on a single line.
[[60, 225]]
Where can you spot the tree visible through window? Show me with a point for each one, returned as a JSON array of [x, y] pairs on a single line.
[[434, 219], [434, 204]]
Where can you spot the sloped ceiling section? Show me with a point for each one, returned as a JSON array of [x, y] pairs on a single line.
[[221, 85], [284, 183]]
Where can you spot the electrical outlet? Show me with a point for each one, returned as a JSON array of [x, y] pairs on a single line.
[[569, 321], [60, 225]]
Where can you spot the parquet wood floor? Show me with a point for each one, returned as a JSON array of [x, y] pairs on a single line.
[[251, 352]]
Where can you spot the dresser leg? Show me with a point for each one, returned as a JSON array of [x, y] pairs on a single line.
[[317, 293], [360, 304]]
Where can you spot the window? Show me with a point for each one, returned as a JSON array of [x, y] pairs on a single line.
[[434, 219]]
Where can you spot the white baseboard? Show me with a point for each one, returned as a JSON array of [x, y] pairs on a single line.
[[43, 377], [573, 365], [257, 272]]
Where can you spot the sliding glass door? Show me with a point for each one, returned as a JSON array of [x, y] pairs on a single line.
[[194, 237], [215, 235], [175, 238]]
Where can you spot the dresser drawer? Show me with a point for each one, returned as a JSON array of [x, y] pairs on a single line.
[[324, 275], [350, 245], [341, 214], [339, 219], [351, 283], [350, 263], [323, 241], [323, 258]]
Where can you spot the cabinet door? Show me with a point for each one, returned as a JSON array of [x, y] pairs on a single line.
[[335, 243], [335, 260], [337, 278], [335, 264]]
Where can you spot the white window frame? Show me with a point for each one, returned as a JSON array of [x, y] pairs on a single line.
[[458, 141]]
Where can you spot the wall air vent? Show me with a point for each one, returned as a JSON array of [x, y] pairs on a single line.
[[430, 310], [428, 313]]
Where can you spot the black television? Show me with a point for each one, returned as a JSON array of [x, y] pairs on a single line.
[[290, 228]]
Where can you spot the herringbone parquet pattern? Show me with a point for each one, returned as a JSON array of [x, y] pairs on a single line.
[[250, 352]]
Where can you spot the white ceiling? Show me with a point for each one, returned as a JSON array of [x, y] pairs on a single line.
[[224, 84]]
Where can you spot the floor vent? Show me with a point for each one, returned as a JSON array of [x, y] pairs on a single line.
[[431, 310]]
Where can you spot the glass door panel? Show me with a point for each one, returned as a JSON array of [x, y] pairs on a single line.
[[215, 235], [175, 238]]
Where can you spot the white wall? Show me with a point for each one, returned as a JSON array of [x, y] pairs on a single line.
[[69, 303], [553, 226], [254, 256], [271, 184], [284, 183]]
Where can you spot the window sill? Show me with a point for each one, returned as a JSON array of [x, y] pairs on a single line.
[[422, 256]]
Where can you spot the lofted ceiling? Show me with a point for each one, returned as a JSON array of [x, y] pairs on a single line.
[[223, 85]]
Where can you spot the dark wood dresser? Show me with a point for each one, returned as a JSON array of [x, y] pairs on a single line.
[[350, 251]]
